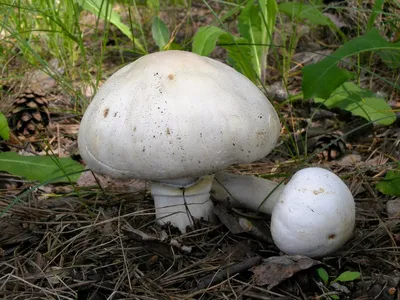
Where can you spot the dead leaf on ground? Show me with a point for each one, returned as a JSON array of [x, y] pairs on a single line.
[[228, 219], [379, 286], [12, 233], [45, 80], [276, 269], [349, 160], [159, 245], [378, 160], [336, 19], [340, 288], [237, 252], [239, 224], [112, 184], [37, 263], [88, 179], [393, 208]]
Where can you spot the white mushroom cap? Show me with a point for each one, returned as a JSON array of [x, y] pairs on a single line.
[[176, 114], [315, 214]]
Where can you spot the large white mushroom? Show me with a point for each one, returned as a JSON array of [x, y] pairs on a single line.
[[312, 215], [175, 118]]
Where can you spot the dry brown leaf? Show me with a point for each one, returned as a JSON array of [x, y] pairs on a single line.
[[239, 224], [121, 185], [238, 252], [336, 19], [393, 208], [88, 179], [276, 269], [13, 232], [229, 220], [349, 160], [37, 265]]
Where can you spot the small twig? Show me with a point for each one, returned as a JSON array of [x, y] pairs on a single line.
[[225, 273], [65, 117], [58, 141]]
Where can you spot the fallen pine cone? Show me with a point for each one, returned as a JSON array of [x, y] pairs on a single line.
[[30, 114]]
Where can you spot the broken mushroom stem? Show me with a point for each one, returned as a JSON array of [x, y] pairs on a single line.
[[253, 193]]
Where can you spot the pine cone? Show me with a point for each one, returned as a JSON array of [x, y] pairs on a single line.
[[331, 146], [30, 113]]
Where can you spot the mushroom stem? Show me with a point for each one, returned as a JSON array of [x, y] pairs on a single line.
[[251, 192], [182, 201]]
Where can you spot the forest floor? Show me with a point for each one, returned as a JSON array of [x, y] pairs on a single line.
[[97, 238]]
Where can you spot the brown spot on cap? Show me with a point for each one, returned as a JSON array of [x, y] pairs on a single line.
[[171, 76], [106, 112], [332, 236], [168, 131], [320, 191]]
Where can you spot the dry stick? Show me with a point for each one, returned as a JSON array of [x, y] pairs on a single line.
[[225, 273], [58, 140]]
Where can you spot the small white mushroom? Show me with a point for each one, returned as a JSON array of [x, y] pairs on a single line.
[[175, 118], [312, 215], [315, 214]]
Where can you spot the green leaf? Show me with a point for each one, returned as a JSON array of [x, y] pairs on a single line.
[[174, 46], [348, 276], [248, 53], [334, 297], [256, 25], [238, 55], [153, 4], [376, 9], [360, 102], [269, 10], [4, 129], [390, 185], [40, 168], [322, 78], [205, 39], [160, 32], [301, 11], [323, 274], [249, 26], [103, 9], [391, 58]]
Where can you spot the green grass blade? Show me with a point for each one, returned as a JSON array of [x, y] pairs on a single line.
[[103, 9], [376, 10]]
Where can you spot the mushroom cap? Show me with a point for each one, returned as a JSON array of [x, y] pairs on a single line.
[[176, 114], [315, 214]]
